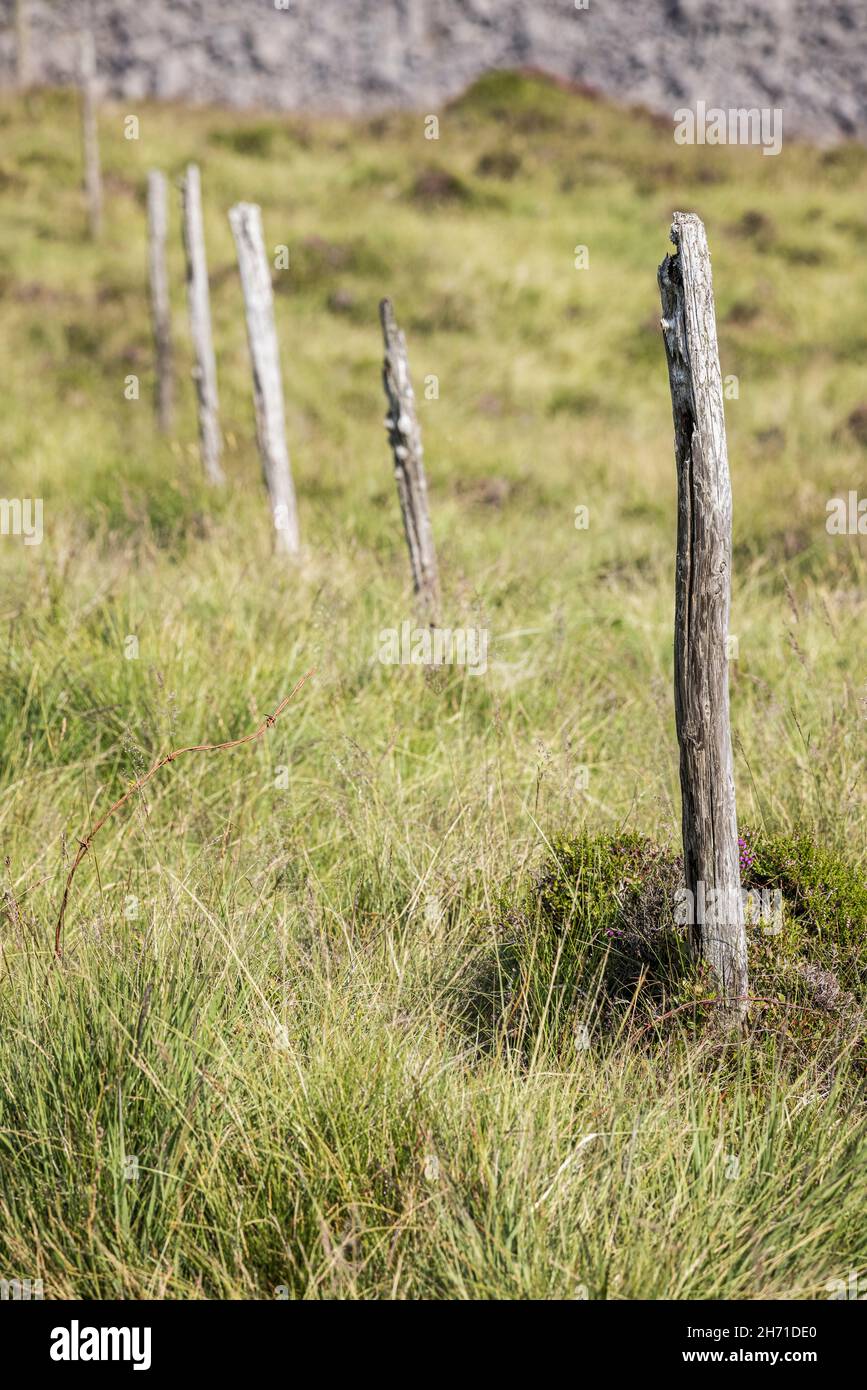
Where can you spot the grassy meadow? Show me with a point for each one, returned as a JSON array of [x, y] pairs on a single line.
[[323, 1028]]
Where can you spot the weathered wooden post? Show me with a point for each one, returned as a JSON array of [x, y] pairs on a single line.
[[90, 134], [246, 223], [158, 218], [22, 44], [702, 602], [404, 436], [199, 304]]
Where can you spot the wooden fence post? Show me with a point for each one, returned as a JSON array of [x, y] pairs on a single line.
[[199, 304], [404, 436], [90, 135], [702, 602], [158, 217], [22, 44], [246, 223]]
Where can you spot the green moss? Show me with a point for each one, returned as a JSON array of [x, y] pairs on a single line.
[[597, 938], [823, 892], [521, 100], [596, 926]]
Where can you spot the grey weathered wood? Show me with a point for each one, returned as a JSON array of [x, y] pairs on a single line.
[[158, 219], [22, 44], [199, 304], [702, 602], [90, 134], [404, 436], [246, 223]]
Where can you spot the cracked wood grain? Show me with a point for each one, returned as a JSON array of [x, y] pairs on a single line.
[[404, 435], [702, 603]]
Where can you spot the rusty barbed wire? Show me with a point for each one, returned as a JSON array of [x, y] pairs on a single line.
[[84, 845]]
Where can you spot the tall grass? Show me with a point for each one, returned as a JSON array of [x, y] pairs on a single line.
[[221, 1111], [282, 1054]]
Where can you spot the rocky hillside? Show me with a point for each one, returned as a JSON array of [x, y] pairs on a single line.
[[806, 56]]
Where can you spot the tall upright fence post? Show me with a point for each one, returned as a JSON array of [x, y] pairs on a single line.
[[22, 44], [702, 601], [158, 219], [246, 223], [404, 436], [199, 304], [90, 134]]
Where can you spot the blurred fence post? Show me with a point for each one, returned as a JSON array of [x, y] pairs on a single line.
[[22, 44], [404, 436], [702, 601], [246, 223], [199, 304], [90, 134], [158, 216]]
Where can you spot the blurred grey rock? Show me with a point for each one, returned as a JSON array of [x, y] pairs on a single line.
[[361, 56]]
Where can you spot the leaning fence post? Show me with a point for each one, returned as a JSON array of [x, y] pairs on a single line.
[[199, 304], [158, 217], [90, 134], [404, 436], [246, 224], [702, 602]]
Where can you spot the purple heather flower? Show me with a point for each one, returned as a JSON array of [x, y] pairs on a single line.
[[746, 855]]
